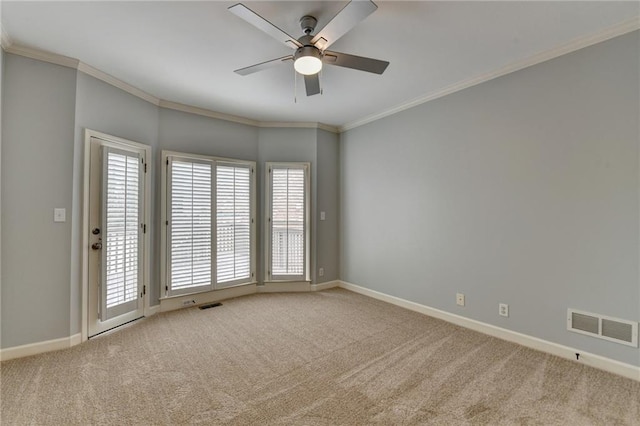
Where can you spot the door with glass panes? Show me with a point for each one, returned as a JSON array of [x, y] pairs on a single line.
[[116, 288]]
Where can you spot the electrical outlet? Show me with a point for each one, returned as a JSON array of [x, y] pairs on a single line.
[[188, 302], [459, 299], [503, 309], [321, 272]]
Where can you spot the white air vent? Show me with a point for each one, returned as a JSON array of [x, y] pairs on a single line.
[[604, 327]]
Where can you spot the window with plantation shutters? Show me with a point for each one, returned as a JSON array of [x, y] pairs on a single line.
[[287, 195], [233, 223], [210, 226], [190, 226]]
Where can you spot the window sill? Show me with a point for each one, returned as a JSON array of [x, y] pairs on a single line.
[[177, 296], [284, 286]]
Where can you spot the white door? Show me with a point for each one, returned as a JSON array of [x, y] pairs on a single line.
[[116, 244]]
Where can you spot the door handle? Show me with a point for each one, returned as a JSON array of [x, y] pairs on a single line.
[[96, 246]]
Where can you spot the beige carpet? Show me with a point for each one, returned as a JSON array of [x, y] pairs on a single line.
[[327, 358]]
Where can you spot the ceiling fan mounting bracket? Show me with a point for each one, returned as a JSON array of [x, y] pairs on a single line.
[[308, 24]]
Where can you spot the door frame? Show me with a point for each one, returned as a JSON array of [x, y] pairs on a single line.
[[146, 240]]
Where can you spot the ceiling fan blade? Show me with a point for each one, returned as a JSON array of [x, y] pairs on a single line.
[[347, 18], [263, 65], [356, 62], [259, 22], [312, 84]]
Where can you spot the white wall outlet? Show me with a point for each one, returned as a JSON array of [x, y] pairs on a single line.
[[503, 309], [459, 299], [321, 272], [59, 214], [322, 216]]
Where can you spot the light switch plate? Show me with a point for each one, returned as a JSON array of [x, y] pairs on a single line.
[[322, 216], [59, 214]]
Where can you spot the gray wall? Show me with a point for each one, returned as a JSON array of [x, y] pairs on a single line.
[[37, 174], [195, 134], [327, 199], [294, 145], [522, 190], [1, 101], [47, 108], [104, 108]]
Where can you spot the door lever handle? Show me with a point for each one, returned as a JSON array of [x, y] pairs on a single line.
[[96, 246]]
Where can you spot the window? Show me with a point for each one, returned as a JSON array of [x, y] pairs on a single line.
[[209, 223], [233, 218], [287, 239]]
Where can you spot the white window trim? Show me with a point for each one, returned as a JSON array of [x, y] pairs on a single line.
[[306, 166], [165, 291]]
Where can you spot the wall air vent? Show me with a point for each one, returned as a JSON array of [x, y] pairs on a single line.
[[603, 327]]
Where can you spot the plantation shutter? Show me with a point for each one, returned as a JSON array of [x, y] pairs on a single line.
[[121, 230], [190, 219], [288, 223], [233, 223]]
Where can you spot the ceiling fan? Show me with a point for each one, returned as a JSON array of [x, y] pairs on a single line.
[[311, 50]]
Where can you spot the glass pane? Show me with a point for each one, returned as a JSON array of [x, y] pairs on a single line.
[[122, 228]]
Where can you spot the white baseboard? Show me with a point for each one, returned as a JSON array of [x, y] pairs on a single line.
[[592, 360], [40, 347], [284, 287], [173, 303], [325, 286]]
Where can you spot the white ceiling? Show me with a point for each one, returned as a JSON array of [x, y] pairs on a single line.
[[186, 51]]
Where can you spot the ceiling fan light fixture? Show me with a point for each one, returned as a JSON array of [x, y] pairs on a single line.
[[307, 60]]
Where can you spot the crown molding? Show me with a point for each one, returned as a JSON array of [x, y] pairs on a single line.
[[5, 40], [299, 125], [109, 79], [328, 128], [619, 29], [207, 113], [243, 120], [42, 55], [65, 61]]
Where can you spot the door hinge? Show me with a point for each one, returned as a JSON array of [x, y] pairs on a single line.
[[166, 288], [167, 161], [166, 222], [252, 170], [144, 289], [145, 167], [144, 228]]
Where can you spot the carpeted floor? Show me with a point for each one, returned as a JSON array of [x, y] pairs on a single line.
[[326, 358]]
